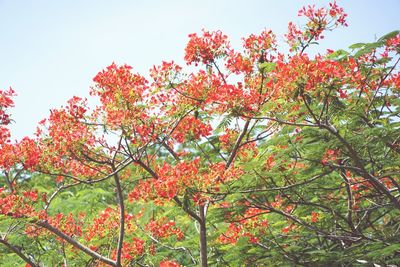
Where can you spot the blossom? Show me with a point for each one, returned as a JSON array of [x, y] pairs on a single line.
[[206, 48]]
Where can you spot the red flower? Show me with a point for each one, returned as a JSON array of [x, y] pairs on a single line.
[[314, 217], [167, 263], [206, 48]]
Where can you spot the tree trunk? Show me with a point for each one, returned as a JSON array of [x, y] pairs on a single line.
[[203, 238]]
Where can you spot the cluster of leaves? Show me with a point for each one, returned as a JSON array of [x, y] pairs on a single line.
[[255, 158]]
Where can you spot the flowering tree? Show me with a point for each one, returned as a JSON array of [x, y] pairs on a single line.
[[256, 157]]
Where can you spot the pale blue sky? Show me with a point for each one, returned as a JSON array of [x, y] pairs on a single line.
[[51, 50]]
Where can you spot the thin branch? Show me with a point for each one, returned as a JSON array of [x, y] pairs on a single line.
[[57, 192], [170, 150], [166, 246], [219, 72], [280, 121], [288, 186], [75, 243], [350, 201], [237, 145], [358, 162], [19, 252]]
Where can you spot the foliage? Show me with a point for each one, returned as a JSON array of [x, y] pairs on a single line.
[[256, 158]]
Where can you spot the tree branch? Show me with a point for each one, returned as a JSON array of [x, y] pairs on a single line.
[[19, 252], [120, 198], [237, 145], [75, 243]]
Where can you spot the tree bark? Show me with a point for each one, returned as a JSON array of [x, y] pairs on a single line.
[[120, 198], [203, 238], [19, 252], [75, 243]]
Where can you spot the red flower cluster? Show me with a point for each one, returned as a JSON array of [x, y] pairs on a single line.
[[65, 143], [234, 232], [191, 127], [120, 93], [165, 73], [237, 63], [314, 217], [164, 228], [294, 35], [330, 155], [318, 21], [257, 46], [171, 181], [206, 48], [16, 206], [5, 103], [250, 224], [118, 82], [394, 43], [65, 223], [304, 75], [196, 88], [106, 222], [167, 263], [337, 14], [395, 80], [132, 249]]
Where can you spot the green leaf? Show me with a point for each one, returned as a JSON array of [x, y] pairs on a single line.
[[389, 35], [357, 46], [225, 122], [338, 55], [368, 48], [267, 66]]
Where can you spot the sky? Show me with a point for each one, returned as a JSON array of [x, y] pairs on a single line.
[[51, 50]]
